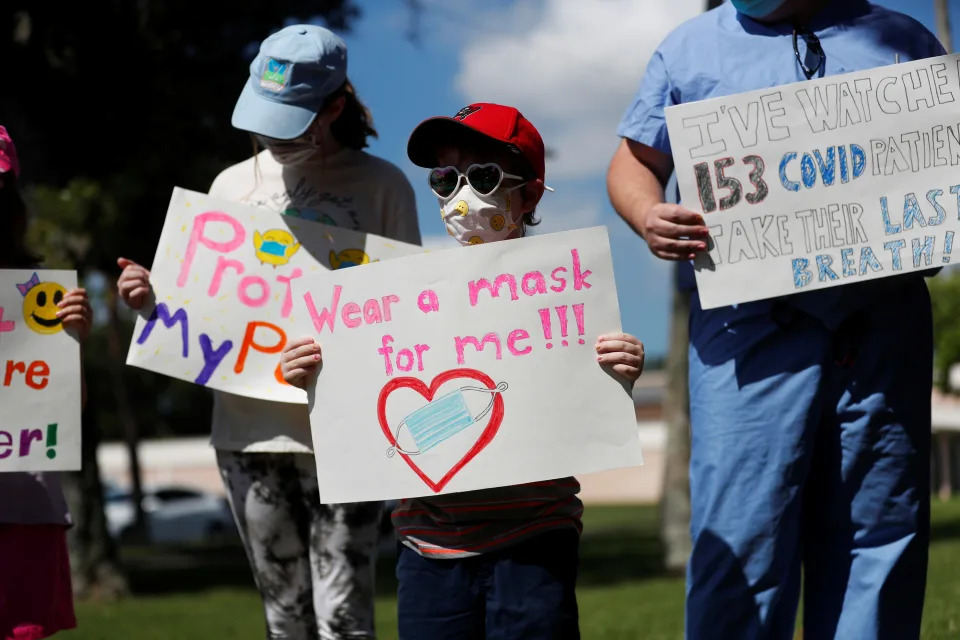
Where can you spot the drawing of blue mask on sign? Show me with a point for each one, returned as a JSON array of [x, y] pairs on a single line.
[[441, 418], [273, 248]]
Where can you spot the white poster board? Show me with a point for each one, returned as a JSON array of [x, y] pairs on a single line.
[[823, 183], [223, 303], [466, 369], [40, 391]]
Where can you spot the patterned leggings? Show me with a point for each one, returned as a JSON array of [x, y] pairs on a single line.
[[313, 563]]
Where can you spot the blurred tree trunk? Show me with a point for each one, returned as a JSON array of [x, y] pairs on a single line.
[[127, 419], [94, 564], [675, 500], [942, 15]]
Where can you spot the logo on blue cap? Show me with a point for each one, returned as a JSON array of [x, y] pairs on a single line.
[[274, 77]]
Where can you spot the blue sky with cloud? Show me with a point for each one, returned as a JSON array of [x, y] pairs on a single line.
[[571, 67]]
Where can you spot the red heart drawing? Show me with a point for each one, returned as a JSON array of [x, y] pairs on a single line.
[[493, 425]]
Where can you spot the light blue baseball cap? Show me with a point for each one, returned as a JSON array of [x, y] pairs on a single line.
[[294, 72]]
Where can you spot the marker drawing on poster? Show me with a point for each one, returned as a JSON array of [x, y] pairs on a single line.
[[466, 369], [823, 183], [40, 392], [222, 280]]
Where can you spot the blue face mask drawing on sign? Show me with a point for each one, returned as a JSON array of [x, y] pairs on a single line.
[[441, 418], [273, 248], [756, 8]]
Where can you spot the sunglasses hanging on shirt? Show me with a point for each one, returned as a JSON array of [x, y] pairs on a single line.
[[813, 49]]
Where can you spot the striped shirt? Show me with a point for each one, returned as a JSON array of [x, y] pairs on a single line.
[[459, 525]]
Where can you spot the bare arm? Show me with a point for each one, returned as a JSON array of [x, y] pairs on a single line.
[[635, 183]]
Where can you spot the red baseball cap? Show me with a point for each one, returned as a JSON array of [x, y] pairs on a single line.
[[492, 121], [8, 154]]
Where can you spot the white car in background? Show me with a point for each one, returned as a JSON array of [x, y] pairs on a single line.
[[174, 514]]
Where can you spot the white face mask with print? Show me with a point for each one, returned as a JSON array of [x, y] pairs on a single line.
[[291, 153], [476, 219]]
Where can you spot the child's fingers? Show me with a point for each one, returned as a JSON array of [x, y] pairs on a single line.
[[613, 346], [134, 273], [628, 372], [73, 310], [625, 337], [125, 285], [307, 352], [621, 358], [308, 363], [298, 342], [133, 287], [77, 296], [74, 319]]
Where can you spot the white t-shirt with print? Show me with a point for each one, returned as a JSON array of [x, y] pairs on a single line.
[[350, 189]]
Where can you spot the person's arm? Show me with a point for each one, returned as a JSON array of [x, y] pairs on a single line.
[[635, 184]]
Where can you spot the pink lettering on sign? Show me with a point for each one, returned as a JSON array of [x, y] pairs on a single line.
[[405, 357], [491, 338], [351, 315], [372, 312], [428, 301], [562, 318], [327, 317], [6, 326], [197, 237], [561, 282], [287, 307], [222, 265], [532, 283], [515, 335], [243, 291]]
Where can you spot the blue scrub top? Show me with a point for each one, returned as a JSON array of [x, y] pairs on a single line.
[[722, 52]]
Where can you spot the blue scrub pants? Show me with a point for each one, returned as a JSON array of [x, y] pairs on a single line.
[[811, 447]]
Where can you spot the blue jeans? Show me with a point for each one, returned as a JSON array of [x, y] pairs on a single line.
[[524, 591], [811, 448]]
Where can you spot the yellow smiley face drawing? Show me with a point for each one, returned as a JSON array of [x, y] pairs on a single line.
[[476, 240], [497, 221], [40, 307], [462, 208]]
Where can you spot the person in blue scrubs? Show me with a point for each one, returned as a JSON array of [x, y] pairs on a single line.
[[810, 413]]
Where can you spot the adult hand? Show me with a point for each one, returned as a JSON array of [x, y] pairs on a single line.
[[623, 353], [674, 233], [133, 284], [75, 312], [300, 360]]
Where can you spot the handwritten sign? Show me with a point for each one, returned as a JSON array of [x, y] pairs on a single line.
[[222, 280], [40, 384], [823, 183], [467, 369]]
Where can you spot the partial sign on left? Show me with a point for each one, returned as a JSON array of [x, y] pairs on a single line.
[[41, 378]]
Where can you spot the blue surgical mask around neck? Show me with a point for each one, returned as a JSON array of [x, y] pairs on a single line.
[[756, 8]]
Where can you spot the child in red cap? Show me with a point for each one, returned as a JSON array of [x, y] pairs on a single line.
[[495, 563]]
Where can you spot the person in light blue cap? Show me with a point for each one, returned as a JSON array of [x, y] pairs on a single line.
[[810, 413], [313, 564]]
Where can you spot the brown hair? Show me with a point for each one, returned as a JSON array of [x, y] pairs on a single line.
[[13, 226], [355, 124]]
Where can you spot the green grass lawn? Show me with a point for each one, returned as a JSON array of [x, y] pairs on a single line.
[[207, 594]]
